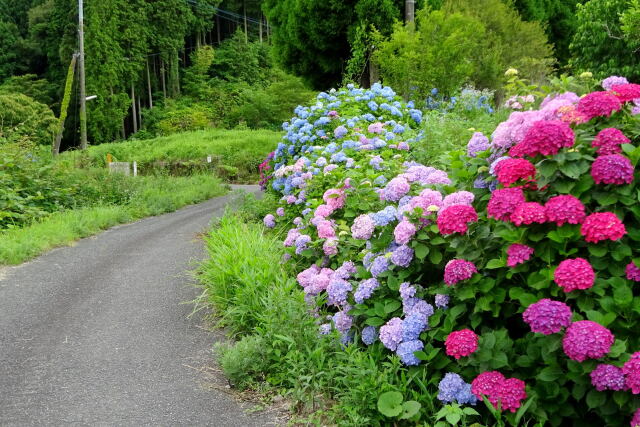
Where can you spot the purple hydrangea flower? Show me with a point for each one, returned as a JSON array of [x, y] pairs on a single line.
[[280, 211], [325, 329], [369, 335], [608, 377], [395, 189], [365, 290], [449, 387], [379, 265], [406, 349], [612, 81], [437, 177], [343, 321], [407, 290], [337, 291], [477, 144], [346, 270], [442, 301], [340, 132], [402, 256], [417, 305], [269, 221], [391, 333]]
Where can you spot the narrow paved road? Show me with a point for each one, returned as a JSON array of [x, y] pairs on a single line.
[[96, 334]]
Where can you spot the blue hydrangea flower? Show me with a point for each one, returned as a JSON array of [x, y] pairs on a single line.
[[385, 216], [369, 335], [413, 325], [402, 256], [406, 349], [379, 266], [373, 106], [365, 290], [453, 388], [381, 180], [337, 291]]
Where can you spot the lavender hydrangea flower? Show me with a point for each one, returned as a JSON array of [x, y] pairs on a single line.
[[406, 349], [369, 335], [337, 291], [402, 256], [269, 221], [379, 265], [345, 271], [325, 328], [407, 290], [417, 305], [480, 182], [342, 320], [301, 243], [477, 144], [365, 290], [340, 132], [391, 333], [381, 180], [452, 388], [442, 301]]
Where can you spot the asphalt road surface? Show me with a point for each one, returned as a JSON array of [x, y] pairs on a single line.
[[98, 333]]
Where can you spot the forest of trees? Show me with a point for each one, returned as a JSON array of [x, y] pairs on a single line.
[[138, 52]]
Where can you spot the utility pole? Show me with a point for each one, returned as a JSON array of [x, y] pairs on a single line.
[[83, 91], [410, 10]]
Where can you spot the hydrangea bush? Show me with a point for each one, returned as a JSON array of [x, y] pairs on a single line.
[[520, 290]]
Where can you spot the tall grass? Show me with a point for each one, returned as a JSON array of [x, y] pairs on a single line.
[[150, 196]]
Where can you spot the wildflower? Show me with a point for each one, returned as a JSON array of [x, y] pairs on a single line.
[[504, 202], [574, 274], [391, 333], [547, 316], [607, 377], [612, 169], [455, 219], [564, 209], [518, 254], [458, 270], [461, 343], [602, 226], [406, 352], [585, 339]]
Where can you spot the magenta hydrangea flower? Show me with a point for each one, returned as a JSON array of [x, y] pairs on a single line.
[[626, 92], [488, 384], [635, 421], [391, 333], [631, 371], [612, 169], [395, 189], [362, 227], [585, 339], [504, 202], [565, 209], [574, 274], [455, 219], [547, 316], [511, 394], [607, 377], [609, 140], [404, 232], [633, 272], [458, 270], [518, 253], [500, 391], [461, 343], [334, 198], [510, 171], [545, 137], [602, 226], [529, 213], [598, 104]]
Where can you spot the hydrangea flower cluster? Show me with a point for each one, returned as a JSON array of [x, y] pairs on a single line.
[[452, 388], [598, 104], [547, 316], [461, 343], [565, 209], [545, 137], [574, 274], [631, 371], [585, 339], [458, 270], [612, 169], [504, 202], [477, 144], [602, 226], [609, 140], [506, 393], [528, 213], [633, 272], [511, 171], [607, 377], [455, 219], [518, 253]]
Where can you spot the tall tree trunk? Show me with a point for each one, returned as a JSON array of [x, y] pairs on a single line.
[[409, 9], [134, 114], [163, 78], [246, 33], [139, 113], [149, 86], [218, 27], [260, 27]]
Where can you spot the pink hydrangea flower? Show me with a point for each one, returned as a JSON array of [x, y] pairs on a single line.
[[292, 235], [458, 270], [510, 171], [325, 230], [564, 209], [529, 213], [602, 226], [323, 211], [585, 339], [633, 272], [458, 198], [609, 140], [547, 316], [631, 371], [506, 393], [404, 232], [504, 201], [607, 377], [396, 189], [574, 274], [461, 343], [635, 421], [376, 127], [455, 219], [305, 276], [362, 227], [330, 247], [598, 104], [334, 198], [518, 254], [612, 169], [545, 137], [626, 92]]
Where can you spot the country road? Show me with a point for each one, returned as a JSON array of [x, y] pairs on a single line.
[[97, 333]]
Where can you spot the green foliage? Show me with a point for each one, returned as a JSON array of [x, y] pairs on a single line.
[[245, 361], [9, 38], [464, 42], [599, 44], [25, 121], [238, 61], [30, 85], [631, 25]]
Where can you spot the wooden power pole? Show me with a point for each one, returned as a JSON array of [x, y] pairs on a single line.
[[410, 10], [81, 79]]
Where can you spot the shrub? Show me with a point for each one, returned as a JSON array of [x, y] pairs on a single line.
[[385, 247], [25, 121]]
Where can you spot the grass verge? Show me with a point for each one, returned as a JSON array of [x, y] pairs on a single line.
[[152, 196]]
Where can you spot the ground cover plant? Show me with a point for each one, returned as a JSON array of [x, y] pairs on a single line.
[[242, 150], [519, 291]]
